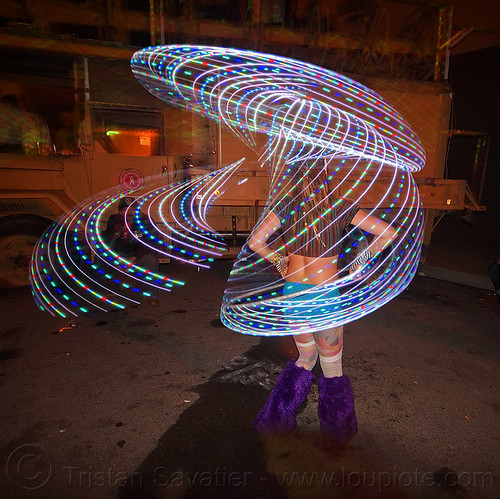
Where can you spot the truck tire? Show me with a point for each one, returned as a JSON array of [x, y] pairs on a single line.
[[18, 237]]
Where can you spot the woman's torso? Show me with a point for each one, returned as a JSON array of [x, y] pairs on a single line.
[[313, 252], [315, 232], [309, 270]]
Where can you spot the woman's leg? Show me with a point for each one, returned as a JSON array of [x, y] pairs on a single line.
[[288, 394], [329, 344], [336, 400], [291, 389], [308, 354]]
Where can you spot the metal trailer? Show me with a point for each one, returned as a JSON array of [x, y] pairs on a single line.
[[126, 136]]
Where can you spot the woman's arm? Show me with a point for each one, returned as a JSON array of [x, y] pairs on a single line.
[[258, 243], [258, 239], [383, 232]]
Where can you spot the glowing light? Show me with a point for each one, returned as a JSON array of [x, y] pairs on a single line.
[[314, 119]]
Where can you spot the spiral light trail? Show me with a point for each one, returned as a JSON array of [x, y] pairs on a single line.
[[74, 270], [315, 120]]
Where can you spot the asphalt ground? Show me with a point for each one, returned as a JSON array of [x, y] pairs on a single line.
[[157, 401]]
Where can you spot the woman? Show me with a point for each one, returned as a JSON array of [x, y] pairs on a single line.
[[313, 223]]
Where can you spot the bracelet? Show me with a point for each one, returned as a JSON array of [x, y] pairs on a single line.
[[361, 259], [279, 262]]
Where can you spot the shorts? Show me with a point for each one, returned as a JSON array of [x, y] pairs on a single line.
[[310, 306]]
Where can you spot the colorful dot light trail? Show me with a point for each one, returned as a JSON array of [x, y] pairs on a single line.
[[314, 120], [74, 268]]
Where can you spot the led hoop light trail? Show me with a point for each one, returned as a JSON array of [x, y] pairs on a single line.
[[314, 119], [74, 270]]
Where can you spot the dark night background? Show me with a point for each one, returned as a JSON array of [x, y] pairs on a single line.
[[475, 80]]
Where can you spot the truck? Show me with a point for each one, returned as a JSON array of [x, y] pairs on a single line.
[[124, 136]]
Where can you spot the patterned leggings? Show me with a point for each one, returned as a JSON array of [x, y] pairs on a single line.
[[327, 344]]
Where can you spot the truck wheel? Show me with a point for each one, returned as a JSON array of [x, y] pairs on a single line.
[[18, 237]]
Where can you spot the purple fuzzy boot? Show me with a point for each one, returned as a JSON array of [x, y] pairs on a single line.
[[290, 391], [336, 409]]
